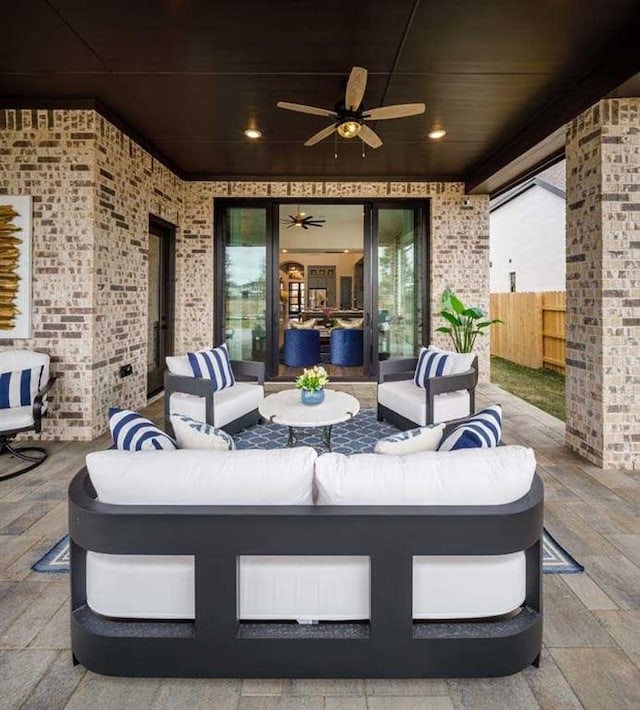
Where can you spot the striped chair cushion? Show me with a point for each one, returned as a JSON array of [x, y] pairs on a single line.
[[214, 365], [19, 388], [133, 432], [431, 363], [481, 430]]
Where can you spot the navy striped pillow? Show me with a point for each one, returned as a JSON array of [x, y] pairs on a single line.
[[481, 431], [214, 365], [19, 388], [431, 363], [133, 432]]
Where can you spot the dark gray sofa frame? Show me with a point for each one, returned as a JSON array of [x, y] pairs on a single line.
[[404, 369], [243, 370], [391, 645]]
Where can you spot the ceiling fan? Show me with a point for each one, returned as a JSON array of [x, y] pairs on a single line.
[[349, 116], [301, 219]]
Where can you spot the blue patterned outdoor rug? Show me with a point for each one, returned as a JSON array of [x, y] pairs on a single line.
[[358, 435], [555, 559]]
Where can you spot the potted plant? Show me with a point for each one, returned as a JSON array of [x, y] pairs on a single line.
[[311, 383], [465, 323]]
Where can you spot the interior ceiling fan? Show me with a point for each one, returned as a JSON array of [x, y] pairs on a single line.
[[301, 219], [349, 116]]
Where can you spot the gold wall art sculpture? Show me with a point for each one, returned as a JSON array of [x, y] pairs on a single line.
[[15, 267]]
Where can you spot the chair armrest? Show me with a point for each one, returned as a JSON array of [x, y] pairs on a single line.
[[452, 383], [38, 401], [248, 370], [402, 369], [466, 380], [188, 385]]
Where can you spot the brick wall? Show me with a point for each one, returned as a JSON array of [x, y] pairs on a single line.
[[603, 284], [94, 189]]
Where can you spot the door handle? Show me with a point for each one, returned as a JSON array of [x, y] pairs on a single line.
[[367, 319]]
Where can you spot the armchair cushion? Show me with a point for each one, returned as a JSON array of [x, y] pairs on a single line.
[[19, 388], [133, 432], [16, 418], [229, 404], [482, 430], [410, 401], [352, 323], [193, 434], [424, 438], [214, 365]]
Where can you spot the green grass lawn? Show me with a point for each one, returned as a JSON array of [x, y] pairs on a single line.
[[543, 388]]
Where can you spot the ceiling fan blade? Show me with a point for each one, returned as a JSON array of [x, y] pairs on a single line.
[[320, 135], [355, 88], [369, 137], [397, 111], [302, 108]]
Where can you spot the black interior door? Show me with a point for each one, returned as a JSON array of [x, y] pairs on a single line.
[[160, 301]]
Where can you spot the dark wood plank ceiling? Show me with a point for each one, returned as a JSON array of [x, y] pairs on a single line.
[[190, 75]]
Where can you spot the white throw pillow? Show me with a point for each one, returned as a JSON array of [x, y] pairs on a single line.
[[303, 324], [465, 477], [193, 434], [424, 438], [348, 324], [183, 477]]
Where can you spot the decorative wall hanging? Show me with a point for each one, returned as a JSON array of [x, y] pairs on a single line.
[[15, 266]]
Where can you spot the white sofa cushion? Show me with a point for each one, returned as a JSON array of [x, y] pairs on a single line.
[[425, 438], [465, 477], [228, 404], [190, 477], [410, 401]]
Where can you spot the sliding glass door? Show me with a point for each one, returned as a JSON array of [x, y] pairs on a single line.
[[400, 281], [242, 295], [265, 278]]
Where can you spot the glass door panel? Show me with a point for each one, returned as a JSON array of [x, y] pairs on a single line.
[[400, 283], [244, 307]]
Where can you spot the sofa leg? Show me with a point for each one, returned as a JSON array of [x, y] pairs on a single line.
[[536, 661], [380, 417], [74, 660]]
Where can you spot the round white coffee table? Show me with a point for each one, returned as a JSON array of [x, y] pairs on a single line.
[[285, 408]]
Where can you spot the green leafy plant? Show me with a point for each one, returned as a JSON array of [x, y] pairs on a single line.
[[465, 323], [312, 378]]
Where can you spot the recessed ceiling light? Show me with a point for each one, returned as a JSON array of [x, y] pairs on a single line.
[[253, 133], [437, 133], [284, 251], [346, 251]]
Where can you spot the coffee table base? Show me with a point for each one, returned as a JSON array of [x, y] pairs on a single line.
[[294, 438]]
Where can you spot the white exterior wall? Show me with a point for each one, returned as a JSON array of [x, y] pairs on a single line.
[[529, 230]]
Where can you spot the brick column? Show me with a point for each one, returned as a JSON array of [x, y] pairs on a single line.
[[603, 284]]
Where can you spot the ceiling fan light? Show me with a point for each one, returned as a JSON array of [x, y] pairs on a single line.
[[437, 133], [349, 128]]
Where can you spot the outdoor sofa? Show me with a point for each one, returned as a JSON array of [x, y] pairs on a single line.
[[203, 563]]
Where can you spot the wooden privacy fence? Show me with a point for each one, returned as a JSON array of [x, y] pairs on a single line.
[[533, 332]]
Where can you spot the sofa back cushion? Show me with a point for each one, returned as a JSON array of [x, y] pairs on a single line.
[[465, 477], [189, 477]]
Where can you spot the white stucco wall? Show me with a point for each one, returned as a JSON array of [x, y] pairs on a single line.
[[529, 230]]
